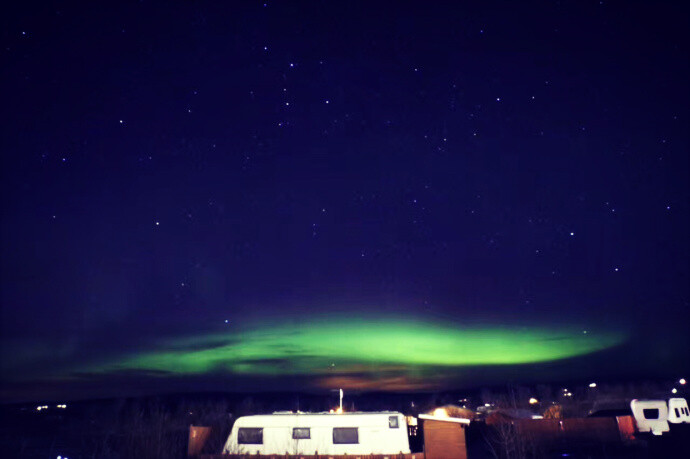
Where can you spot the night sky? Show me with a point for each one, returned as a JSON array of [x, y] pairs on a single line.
[[368, 195]]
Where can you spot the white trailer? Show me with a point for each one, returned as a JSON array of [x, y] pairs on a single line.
[[678, 412], [319, 433], [650, 415]]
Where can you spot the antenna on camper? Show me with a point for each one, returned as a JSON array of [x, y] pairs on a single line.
[[338, 410]]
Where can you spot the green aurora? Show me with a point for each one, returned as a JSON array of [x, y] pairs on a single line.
[[346, 345]]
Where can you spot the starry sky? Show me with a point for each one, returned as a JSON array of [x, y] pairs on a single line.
[[371, 195]]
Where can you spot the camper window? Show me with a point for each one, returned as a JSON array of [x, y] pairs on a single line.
[[250, 436], [301, 433], [345, 435], [677, 412], [650, 413], [393, 422]]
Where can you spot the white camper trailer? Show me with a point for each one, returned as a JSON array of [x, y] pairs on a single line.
[[650, 415], [319, 433], [678, 411]]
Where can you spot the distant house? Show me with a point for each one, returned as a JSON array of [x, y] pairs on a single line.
[[503, 415]]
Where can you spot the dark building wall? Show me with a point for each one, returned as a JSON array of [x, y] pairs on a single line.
[[444, 440]]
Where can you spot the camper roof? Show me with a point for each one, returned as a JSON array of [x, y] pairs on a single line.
[[355, 419], [327, 413]]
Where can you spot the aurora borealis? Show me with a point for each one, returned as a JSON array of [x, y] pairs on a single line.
[[289, 195], [334, 344]]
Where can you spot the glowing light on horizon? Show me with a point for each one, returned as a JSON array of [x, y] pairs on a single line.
[[440, 413]]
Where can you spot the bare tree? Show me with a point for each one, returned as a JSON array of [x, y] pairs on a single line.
[[503, 436]]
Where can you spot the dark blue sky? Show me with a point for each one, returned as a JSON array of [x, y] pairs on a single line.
[[167, 166]]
